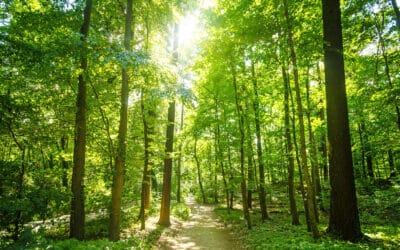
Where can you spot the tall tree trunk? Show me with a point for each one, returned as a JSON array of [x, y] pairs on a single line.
[[361, 136], [77, 219], [64, 162], [322, 144], [147, 166], [250, 170], [316, 182], [296, 150], [231, 193], [243, 186], [118, 176], [20, 189], [179, 170], [199, 178], [164, 219], [148, 116], [343, 220], [303, 151], [256, 109], [219, 154], [289, 152]]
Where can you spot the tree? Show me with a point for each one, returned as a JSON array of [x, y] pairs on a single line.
[[289, 152], [303, 154], [77, 220], [256, 109], [118, 176], [164, 219], [343, 220], [240, 117]]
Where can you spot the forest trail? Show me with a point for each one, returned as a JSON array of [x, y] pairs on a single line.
[[202, 230]]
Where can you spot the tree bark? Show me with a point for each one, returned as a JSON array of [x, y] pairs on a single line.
[[164, 219], [261, 170], [179, 170], [77, 219], [243, 185], [118, 176], [316, 182], [322, 146], [303, 151], [199, 178], [343, 220], [64, 162], [219, 154], [289, 152]]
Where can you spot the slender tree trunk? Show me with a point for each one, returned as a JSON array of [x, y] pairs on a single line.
[[360, 133], [250, 169], [148, 116], [322, 146], [313, 148], [296, 150], [179, 170], [243, 186], [77, 219], [64, 162], [106, 122], [199, 178], [20, 189], [118, 176], [164, 219], [343, 220], [230, 177], [219, 154], [215, 184], [289, 152], [146, 177], [261, 170], [303, 151]]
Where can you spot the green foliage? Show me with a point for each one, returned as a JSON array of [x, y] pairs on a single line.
[[278, 233], [181, 210]]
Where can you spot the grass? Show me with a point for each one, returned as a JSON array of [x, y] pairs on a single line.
[[379, 215], [96, 232]]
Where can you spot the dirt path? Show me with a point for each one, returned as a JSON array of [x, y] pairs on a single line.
[[201, 231]]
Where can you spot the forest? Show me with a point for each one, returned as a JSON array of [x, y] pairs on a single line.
[[281, 117]]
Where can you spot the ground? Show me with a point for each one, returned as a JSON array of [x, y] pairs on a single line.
[[202, 230]]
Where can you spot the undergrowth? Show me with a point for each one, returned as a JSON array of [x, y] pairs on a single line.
[[378, 208]]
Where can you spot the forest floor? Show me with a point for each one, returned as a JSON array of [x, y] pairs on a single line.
[[202, 230]]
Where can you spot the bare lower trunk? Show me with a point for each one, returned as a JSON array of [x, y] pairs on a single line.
[[343, 220], [77, 219], [289, 152], [243, 185], [118, 176], [303, 151]]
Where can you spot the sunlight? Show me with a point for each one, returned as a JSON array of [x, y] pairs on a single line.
[[207, 4], [188, 28]]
